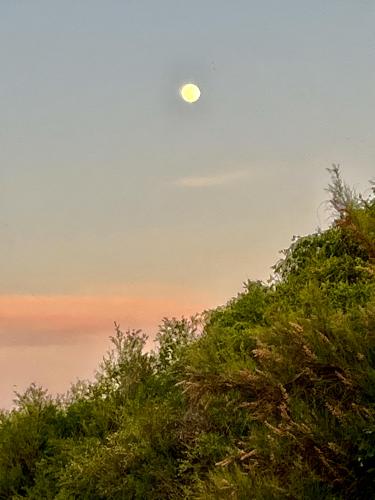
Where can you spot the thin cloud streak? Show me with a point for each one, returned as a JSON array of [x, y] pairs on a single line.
[[60, 320], [210, 180]]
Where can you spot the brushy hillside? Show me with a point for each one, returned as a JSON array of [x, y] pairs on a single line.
[[269, 397]]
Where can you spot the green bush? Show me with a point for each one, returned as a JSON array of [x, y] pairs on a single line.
[[271, 396]]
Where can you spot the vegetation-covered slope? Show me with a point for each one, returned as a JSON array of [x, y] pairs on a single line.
[[271, 396]]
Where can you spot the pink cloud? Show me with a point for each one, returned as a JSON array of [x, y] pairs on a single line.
[[59, 319]]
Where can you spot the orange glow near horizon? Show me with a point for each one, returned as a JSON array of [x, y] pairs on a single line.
[[26, 319]]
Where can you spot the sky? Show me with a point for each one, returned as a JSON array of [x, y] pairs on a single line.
[[121, 202]]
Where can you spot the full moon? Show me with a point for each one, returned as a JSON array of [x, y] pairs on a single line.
[[190, 92]]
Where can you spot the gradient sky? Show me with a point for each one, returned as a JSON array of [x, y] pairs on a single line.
[[118, 201]]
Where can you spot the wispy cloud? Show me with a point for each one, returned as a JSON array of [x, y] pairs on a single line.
[[62, 319], [218, 179]]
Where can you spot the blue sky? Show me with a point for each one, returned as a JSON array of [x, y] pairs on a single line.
[[94, 137], [111, 184]]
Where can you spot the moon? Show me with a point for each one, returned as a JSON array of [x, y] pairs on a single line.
[[190, 92]]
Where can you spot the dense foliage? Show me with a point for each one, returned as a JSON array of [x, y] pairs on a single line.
[[271, 396]]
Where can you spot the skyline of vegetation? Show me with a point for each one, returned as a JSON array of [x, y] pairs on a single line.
[[271, 396]]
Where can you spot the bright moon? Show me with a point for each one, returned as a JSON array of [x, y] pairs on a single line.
[[190, 92]]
